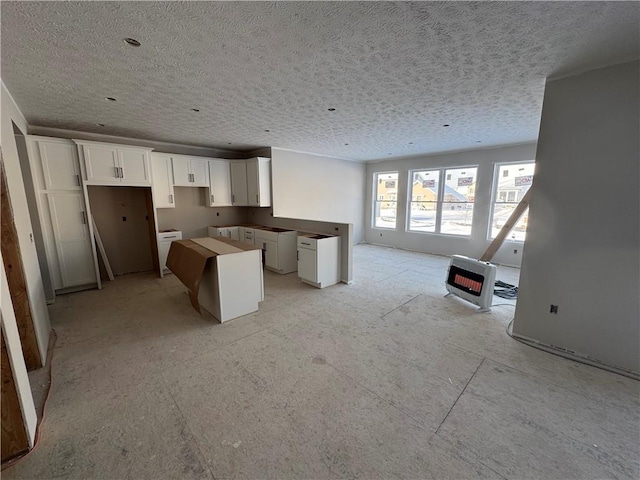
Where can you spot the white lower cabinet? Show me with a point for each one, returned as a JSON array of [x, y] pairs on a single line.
[[230, 232], [279, 247], [164, 244], [319, 259]]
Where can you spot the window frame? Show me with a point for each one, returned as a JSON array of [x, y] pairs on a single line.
[[494, 195], [442, 179], [375, 199]]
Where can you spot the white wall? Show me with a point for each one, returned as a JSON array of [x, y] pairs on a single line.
[[582, 251], [10, 113], [472, 246], [314, 187]]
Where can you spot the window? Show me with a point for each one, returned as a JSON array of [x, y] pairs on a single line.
[[385, 207], [457, 202], [507, 193], [438, 208], [424, 205]]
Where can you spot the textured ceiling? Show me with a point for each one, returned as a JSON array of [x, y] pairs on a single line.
[[394, 72]]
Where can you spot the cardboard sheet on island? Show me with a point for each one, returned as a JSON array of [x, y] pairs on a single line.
[[187, 259]]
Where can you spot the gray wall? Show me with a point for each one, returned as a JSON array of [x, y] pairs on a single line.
[[314, 187], [192, 217], [472, 246], [582, 251]]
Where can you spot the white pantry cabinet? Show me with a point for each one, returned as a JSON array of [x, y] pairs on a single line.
[[251, 182], [113, 164], [62, 213], [162, 181], [190, 171], [219, 183]]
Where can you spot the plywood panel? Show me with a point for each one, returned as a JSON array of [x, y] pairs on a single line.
[[14, 435]]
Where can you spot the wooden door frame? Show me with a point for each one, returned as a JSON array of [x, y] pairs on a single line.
[[16, 278]]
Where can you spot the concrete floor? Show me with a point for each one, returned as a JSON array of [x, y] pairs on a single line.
[[384, 378]]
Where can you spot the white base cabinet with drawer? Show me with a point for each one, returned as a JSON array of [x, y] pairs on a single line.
[[279, 248], [164, 243], [319, 259], [230, 232]]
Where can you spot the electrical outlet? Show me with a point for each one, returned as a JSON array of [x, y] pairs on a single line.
[[124, 219], [337, 229], [515, 250], [553, 309], [217, 214], [380, 234]]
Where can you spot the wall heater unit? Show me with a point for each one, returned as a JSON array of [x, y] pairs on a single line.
[[471, 280]]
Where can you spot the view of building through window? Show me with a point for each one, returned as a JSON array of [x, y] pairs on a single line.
[[424, 200], [442, 209], [385, 205], [512, 181]]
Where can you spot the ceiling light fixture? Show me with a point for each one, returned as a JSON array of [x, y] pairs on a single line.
[[346, 144], [267, 131], [111, 99], [446, 125], [478, 141], [195, 109], [131, 41], [410, 143], [331, 109]]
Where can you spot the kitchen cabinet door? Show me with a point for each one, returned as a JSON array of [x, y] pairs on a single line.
[[134, 166], [307, 265], [271, 254], [199, 169], [220, 183], [162, 181], [239, 183], [102, 164], [59, 166], [181, 172], [71, 232]]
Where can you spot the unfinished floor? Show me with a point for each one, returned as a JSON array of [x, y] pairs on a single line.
[[384, 378]]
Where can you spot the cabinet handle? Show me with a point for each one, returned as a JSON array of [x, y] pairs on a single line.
[[212, 199], [192, 179], [257, 199], [117, 172], [84, 217], [77, 180], [305, 243], [170, 198], [233, 199], [172, 236], [298, 255]]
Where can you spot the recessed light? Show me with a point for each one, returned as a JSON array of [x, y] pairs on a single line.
[[446, 125], [478, 141], [389, 154], [99, 124], [410, 143], [131, 41], [195, 109], [229, 143], [267, 131], [111, 99], [331, 109], [346, 144]]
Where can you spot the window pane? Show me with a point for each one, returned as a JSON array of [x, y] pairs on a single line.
[[460, 185], [424, 195], [457, 218], [384, 214], [513, 181], [501, 213]]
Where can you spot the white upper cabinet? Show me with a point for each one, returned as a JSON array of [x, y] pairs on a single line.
[[110, 164], [162, 181], [251, 182], [220, 183], [259, 182], [60, 167], [190, 171], [239, 182]]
